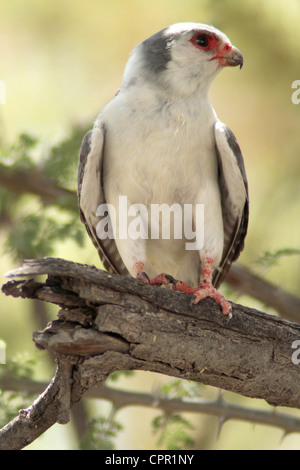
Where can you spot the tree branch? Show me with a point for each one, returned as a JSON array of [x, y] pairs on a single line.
[[122, 399], [34, 182], [109, 322], [249, 283]]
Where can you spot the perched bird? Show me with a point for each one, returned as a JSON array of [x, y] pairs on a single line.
[[160, 143]]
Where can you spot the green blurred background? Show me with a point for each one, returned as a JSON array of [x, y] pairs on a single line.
[[63, 61]]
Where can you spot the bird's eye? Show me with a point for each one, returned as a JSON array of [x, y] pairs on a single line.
[[204, 41], [201, 40]]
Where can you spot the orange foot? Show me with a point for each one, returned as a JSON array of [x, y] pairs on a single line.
[[161, 279], [205, 289]]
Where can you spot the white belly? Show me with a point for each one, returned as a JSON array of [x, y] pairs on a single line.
[[167, 162]]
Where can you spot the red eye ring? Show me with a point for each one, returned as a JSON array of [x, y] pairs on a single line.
[[200, 40], [204, 41]]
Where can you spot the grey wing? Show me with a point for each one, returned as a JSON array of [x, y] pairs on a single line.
[[91, 195], [234, 198]]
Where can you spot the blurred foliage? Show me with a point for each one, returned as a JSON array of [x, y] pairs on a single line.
[[18, 156], [21, 367], [10, 404], [61, 62], [180, 389], [173, 431], [60, 162], [100, 434], [32, 234], [269, 259]]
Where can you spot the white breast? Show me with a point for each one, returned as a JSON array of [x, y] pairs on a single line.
[[157, 152]]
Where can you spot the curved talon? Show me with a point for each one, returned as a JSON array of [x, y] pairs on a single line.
[[159, 280], [142, 276], [171, 279], [145, 275]]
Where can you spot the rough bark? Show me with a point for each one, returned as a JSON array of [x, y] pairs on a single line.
[[108, 322]]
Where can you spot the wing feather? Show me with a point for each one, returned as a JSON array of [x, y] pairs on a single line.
[[234, 198], [91, 195]]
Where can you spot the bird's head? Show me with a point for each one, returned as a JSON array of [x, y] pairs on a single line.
[[182, 58]]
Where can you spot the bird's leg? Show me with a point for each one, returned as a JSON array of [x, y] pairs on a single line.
[[205, 288], [161, 279]]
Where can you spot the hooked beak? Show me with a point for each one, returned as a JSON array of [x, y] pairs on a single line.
[[232, 58]]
